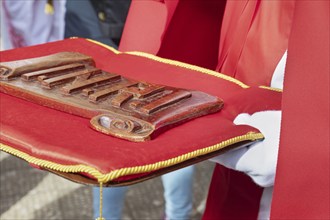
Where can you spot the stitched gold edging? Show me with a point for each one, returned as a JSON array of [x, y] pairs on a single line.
[[48, 164], [103, 178], [190, 67], [103, 45], [271, 88], [175, 63]]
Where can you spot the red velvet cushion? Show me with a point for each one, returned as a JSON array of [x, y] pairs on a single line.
[[55, 140]]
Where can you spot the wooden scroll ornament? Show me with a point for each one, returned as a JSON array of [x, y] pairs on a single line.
[[118, 106]]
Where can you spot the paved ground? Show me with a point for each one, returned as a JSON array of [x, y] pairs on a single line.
[[28, 193]]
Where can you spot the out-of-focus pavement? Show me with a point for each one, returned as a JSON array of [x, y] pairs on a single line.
[[29, 193]]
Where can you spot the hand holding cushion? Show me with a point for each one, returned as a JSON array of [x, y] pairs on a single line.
[[259, 159]]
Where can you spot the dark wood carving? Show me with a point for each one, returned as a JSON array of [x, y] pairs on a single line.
[[118, 106]]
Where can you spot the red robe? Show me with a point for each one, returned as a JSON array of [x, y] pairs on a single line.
[[189, 31], [302, 180]]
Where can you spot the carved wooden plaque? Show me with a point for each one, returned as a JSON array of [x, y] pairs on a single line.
[[117, 106]]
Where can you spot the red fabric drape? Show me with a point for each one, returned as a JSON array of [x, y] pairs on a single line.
[[254, 37], [229, 200], [302, 181]]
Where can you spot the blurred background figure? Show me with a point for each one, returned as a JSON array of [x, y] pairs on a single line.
[[25, 23], [100, 20]]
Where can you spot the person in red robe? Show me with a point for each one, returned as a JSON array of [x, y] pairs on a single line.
[[258, 42]]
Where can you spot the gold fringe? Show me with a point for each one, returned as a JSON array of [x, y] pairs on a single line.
[[103, 178]]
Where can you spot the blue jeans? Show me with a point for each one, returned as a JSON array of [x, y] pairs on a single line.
[[178, 192]]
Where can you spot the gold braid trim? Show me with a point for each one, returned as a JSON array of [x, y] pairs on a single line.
[[190, 67], [175, 63], [271, 88], [103, 45], [48, 164], [103, 178]]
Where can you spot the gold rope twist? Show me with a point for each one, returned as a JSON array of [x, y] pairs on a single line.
[[106, 177], [101, 203], [175, 63]]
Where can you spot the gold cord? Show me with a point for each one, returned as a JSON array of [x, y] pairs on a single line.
[[101, 202], [271, 88], [114, 174], [175, 63]]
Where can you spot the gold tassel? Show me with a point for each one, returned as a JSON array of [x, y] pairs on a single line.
[[49, 8], [101, 203]]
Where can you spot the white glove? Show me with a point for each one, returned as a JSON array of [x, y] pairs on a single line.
[[257, 160]]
